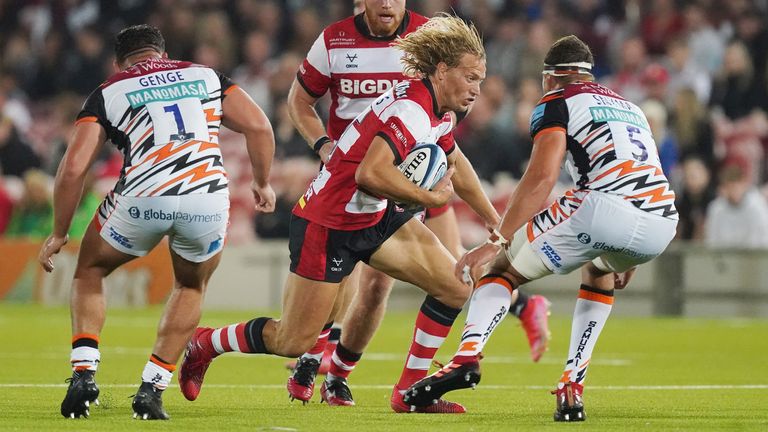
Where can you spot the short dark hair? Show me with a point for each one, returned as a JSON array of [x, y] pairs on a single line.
[[569, 49], [137, 38]]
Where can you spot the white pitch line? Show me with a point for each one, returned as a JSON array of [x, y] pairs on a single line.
[[389, 386]]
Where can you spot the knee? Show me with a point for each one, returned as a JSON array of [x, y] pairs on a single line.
[[457, 295], [375, 291]]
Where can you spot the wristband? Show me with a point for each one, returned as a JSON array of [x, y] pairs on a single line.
[[497, 239], [320, 143]]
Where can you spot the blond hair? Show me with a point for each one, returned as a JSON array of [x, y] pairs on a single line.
[[444, 38]]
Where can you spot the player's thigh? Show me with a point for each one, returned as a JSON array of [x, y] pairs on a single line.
[[191, 274], [123, 229], [307, 306], [413, 254], [199, 228], [446, 227]]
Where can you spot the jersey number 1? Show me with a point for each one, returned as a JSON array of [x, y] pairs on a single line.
[[183, 134]]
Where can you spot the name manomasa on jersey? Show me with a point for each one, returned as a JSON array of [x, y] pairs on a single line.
[[164, 115]]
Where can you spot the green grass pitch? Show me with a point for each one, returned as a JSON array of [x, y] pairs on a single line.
[[646, 374]]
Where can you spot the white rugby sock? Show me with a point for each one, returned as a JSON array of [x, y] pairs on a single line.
[[487, 309], [158, 372], [593, 307]]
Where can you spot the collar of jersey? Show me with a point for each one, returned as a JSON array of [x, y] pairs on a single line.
[[362, 27], [435, 108]]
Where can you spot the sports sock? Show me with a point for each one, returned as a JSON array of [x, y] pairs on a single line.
[[592, 310], [519, 305], [342, 362], [316, 352], [85, 352], [242, 337], [487, 309], [158, 372], [432, 326]]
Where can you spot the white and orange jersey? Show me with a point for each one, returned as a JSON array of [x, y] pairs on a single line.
[[355, 66], [404, 117], [609, 143], [164, 115]]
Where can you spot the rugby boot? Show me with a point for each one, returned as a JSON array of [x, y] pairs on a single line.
[[570, 406], [336, 393], [535, 322], [453, 376], [436, 407], [148, 403], [301, 384], [197, 357], [82, 391]]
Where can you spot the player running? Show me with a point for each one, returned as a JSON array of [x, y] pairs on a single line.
[[620, 214], [165, 116], [354, 60], [347, 216]]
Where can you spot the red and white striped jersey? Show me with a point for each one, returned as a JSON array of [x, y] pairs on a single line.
[[404, 116], [609, 143], [164, 115], [355, 66]]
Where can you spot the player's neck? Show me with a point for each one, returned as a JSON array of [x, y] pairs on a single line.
[[140, 57]]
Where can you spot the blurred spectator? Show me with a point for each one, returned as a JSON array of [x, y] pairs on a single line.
[[661, 22], [33, 215], [691, 126], [655, 80], [87, 65], [705, 43], [627, 80], [738, 217], [253, 74], [16, 156], [735, 91], [656, 113], [684, 72], [752, 32], [693, 198]]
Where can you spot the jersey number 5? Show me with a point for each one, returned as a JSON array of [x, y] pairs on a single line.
[[643, 156]]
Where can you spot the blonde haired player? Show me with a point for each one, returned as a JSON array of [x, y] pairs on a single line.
[[347, 216]]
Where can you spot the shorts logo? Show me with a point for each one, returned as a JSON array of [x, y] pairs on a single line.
[[584, 238], [215, 245], [134, 212], [625, 251], [119, 238], [550, 253], [336, 264], [177, 216]]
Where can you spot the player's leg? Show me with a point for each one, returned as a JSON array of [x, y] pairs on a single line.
[[413, 254], [308, 299], [360, 323], [101, 252], [531, 310], [489, 306]]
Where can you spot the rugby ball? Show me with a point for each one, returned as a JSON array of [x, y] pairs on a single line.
[[425, 165]]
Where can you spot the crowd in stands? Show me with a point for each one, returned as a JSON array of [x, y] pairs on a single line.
[[698, 68]]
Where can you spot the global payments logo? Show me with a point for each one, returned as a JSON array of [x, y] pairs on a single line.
[[584, 238]]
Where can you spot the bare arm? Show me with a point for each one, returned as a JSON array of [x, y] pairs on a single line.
[[378, 174], [468, 188], [301, 109], [68, 188], [241, 114], [537, 182], [533, 189]]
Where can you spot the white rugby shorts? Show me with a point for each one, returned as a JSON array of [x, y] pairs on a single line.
[[583, 226], [195, 224]]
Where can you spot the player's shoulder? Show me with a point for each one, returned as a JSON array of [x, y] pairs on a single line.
[[414, 21], [581, 87], [414, 95], [147, 67], [553, 95], [342, 33]]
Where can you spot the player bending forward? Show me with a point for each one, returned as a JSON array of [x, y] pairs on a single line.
[[620, 214]]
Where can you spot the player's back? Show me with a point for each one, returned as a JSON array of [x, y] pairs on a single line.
[[164, 115], [610, 145]]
